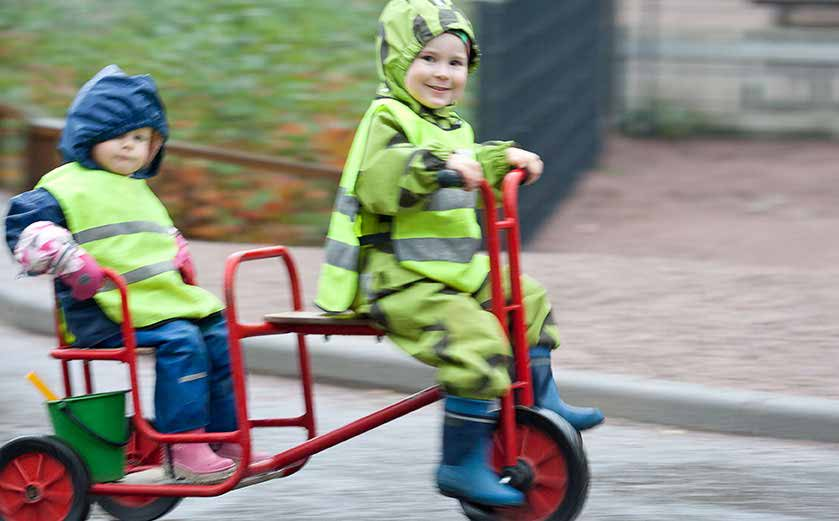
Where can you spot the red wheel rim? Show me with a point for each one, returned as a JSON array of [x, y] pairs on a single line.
[[34, 487], [550, 474]]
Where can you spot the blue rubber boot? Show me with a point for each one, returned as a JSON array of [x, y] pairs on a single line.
[[546, 394], [465, 471]]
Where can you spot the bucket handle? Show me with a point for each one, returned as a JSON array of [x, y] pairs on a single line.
[[65, 409]]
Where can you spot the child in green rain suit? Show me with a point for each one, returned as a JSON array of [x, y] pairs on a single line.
[[402, 247]]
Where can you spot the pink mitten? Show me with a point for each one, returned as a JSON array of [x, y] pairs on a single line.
[[87, 279], [183, 260], [45, 247]]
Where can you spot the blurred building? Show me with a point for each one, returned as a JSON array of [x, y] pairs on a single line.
[[745, 65]]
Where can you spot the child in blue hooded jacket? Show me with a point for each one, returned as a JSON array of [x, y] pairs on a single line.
[[97, 211]]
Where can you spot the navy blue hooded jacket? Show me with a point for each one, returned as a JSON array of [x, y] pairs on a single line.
[[109, 105]]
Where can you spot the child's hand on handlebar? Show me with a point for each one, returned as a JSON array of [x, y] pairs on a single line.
[[529, 161], [469, 169]]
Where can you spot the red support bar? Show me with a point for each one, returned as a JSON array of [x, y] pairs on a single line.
[[285, 459], [88, 377], [237, 331], [308, 399], [298, 421], [360, 426], [521, 389], [508, 430], [65, 373], [510, 186], [68, 353], [493, 241]]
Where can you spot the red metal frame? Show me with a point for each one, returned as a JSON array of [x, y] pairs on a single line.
[[293, 459], [522, 388]]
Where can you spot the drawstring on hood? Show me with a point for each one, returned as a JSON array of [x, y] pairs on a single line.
[[405, 27], [109, 105]]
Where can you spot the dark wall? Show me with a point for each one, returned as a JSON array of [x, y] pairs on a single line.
[[545, 82]]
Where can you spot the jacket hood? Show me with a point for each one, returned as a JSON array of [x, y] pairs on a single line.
[[109, 105], [405, 26]]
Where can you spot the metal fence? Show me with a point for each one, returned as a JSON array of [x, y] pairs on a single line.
[[545, 81], [729, 65]]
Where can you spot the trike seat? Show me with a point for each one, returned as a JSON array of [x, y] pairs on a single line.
[[316, 322], [316, 317], [96, 353]]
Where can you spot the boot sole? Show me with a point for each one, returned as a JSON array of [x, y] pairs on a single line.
[[461, 497], [202, 478]]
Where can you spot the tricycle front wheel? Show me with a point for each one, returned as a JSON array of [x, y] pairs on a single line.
[[551, 470]]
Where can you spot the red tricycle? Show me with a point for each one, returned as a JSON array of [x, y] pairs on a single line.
[[44, 478]]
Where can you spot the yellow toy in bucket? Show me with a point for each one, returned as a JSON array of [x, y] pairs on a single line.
[[41, 386], [94, 425]]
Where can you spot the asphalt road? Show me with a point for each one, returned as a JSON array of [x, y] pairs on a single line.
[[639, 472]]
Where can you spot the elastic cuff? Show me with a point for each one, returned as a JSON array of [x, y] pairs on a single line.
[[540, 352], [468, 406], [493, 158]]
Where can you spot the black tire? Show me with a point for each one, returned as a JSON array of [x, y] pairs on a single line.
[[132, 508], [36, 475], [139, 452], [552, 470]]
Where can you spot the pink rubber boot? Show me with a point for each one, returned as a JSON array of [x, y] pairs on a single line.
[[197, 463], [233, 451]]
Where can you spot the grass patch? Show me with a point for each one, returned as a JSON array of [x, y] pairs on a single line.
[[261, 75]]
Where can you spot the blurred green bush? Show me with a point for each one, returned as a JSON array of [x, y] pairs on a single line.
[[288, 77]]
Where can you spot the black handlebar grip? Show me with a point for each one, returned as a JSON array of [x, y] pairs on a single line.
[[448, 178]]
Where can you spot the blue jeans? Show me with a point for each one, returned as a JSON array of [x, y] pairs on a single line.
[[193, 387]]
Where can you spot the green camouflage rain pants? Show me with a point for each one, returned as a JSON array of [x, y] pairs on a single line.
[[457, 333]]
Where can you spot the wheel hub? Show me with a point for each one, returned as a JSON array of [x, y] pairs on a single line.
[[519, 476], [32, 493]]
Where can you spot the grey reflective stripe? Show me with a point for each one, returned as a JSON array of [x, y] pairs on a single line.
[[436, 249], [125, 228], [421, 31], [469, 418], [385, 48], [448, 17], [192, 377], [346, 204], [341, 254], [451, 199], [146, 272]]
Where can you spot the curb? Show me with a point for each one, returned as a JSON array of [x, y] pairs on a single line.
[[365, 362]]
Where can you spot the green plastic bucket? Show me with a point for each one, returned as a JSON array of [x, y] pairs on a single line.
[[96, 427]]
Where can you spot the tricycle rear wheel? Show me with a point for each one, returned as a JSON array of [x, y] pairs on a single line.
[[42, 478], [137, 508]]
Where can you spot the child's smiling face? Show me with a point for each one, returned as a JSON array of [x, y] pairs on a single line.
[[437, 76], [124, 154]]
